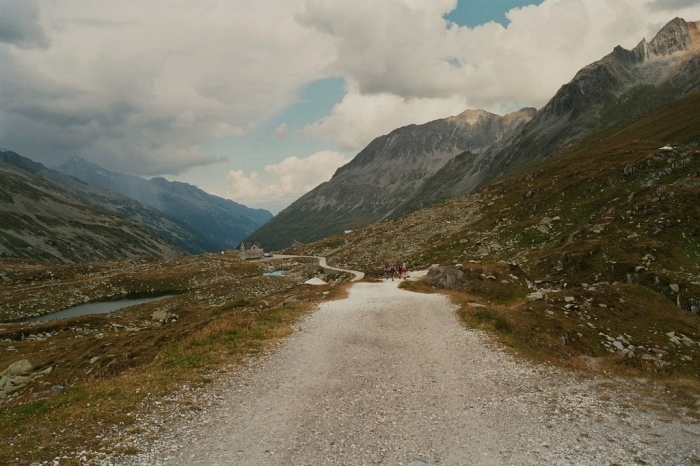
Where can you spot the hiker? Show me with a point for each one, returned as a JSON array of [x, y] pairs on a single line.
[[404, 271], [392, 271], [386, 272]]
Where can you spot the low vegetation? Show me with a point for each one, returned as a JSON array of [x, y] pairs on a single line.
[[105, 369]]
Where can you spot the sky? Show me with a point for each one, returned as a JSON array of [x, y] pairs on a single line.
[[260, 101]]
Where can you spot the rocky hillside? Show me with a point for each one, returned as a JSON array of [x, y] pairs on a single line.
[[40, 220], [215, 223], [379, 180], [566, 256], [621, 85], [110, 201]]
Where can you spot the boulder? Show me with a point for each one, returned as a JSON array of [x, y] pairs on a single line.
[[163, 316], [21, 367], [536, 296]]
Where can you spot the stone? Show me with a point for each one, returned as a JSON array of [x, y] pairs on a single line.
[[569, 299], [674, 287], [618, 345], [160, 315], [94, 359], [21, 367], [291, 300], [536, 296], [315, 281], [46, 371], [622, 340]]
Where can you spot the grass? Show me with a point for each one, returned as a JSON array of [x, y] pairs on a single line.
[[227, 312]]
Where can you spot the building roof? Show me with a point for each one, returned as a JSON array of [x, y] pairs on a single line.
[[250, 244]]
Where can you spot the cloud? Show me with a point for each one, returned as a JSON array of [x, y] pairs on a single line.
[[285, 181], [403, 61], [282, 131], [663, 5], [19, 24], [129, 85], [149, 87], [359, 118]]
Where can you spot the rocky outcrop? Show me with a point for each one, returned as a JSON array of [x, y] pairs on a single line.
[[18, 376]]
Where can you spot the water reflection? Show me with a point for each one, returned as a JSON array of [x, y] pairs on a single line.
[[95, 308]]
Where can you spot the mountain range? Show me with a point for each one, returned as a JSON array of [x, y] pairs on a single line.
[[41, 220], [421, 165], [214, 223], [171, 218]]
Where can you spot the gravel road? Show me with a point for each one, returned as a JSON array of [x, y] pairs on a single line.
[[391, 377]]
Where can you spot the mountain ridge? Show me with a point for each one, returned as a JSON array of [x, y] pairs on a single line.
[[42, 220], [216, 223], [379, 179]]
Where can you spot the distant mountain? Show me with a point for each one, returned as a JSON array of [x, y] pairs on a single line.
[[110, 201], [623, 84], [379, 180], [216, 223], [41, 220]]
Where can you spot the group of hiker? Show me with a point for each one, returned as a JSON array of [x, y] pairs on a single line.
[[400, 271]]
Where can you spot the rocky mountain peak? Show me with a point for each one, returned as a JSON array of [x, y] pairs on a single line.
[[469, 117], [677, 36]]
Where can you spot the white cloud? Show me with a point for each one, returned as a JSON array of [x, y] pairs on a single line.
[[359, 118], [285, 181], [145, 87], [404, 64], [126, 84]]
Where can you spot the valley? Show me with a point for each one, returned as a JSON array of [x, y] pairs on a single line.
[[555, 259]]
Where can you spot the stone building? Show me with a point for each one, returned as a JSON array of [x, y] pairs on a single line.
[[251, 249]]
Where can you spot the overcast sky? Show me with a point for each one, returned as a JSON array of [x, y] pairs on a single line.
[[261, 100]]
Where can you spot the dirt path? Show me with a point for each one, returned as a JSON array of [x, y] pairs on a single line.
[[391, 377]]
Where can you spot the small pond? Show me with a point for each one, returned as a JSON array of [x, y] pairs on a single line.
[[95, 308], [276, 273]]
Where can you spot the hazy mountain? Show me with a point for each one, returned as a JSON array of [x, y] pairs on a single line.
[[621, 85], [379, 180], [41, 220], [111, 201], [216, 223]]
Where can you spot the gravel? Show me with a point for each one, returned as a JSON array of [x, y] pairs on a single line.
[[391, 377]]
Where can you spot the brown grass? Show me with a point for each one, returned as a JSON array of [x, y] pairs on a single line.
[[135, 369]]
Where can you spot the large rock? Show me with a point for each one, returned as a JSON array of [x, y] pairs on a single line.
[[17, 368]]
